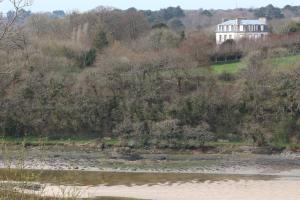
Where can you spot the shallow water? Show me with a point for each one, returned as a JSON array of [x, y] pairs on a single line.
[[83, 178], [159, 176], [158, 186]]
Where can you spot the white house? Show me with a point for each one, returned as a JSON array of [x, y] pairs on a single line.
[[241, 28]]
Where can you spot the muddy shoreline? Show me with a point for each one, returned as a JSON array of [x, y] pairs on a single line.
[[91, 173], [82, 159]]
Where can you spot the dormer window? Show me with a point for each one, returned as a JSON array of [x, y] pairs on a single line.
[[236, 29]]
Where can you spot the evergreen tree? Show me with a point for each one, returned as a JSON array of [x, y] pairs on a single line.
[[101, 40]]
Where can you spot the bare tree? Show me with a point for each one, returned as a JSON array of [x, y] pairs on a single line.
[[200, 47], [6, 24]]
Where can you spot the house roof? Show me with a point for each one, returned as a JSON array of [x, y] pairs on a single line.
[[243, 22]]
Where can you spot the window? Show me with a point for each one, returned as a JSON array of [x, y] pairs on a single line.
[[244, 28], [232, 28], [241, 28], [220, 38], [225, 37]]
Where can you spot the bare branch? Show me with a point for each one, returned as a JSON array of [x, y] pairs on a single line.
[[7, 25]]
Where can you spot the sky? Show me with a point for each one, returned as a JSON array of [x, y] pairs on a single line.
[[84, 5]]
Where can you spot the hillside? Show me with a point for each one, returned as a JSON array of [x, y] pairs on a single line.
[[148, 79]]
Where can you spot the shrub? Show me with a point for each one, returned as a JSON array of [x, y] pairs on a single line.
[[101, 41], [225, 76], [83, 58], [89, 57], [165, 134], [278, 52], [199, 47], [163, 38]]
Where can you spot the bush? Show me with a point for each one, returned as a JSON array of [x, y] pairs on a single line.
[[278, 52], [225, 76], [162, 39], [101, 40], [166, 134], [83, 58], [199, 47], [89, 57]]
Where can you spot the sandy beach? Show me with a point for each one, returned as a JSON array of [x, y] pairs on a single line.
[[220, 190]]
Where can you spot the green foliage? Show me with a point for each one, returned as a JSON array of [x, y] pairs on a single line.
[[294, 9], [165, 134], [82, 59], [164, 15], [177, 25], [163, 38], [160, 26], [150, 89], [226, 76], [206, 13], [270, 12], [293, 28], [89, 57], [172, 12], [101, 40]]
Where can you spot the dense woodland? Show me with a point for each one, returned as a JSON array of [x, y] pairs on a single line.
[[145, 77]]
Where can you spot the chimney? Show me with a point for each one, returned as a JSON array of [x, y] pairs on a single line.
[[224, 20], [263, 20], [238, 20]]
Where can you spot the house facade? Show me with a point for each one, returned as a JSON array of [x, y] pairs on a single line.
[[239, 28]]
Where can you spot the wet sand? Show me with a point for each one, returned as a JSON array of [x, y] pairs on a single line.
[[277, 177], [220, 190]]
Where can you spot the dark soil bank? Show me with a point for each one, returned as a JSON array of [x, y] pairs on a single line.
[[69, 158]]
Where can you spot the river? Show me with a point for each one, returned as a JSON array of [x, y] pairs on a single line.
[[63, 172]]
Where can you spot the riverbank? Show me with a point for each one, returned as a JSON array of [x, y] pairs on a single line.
[[122, 160], [90, 173], [91, 143]]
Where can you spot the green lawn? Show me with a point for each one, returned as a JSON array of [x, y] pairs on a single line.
[[284, 63], [281, 63], [233, 67]]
